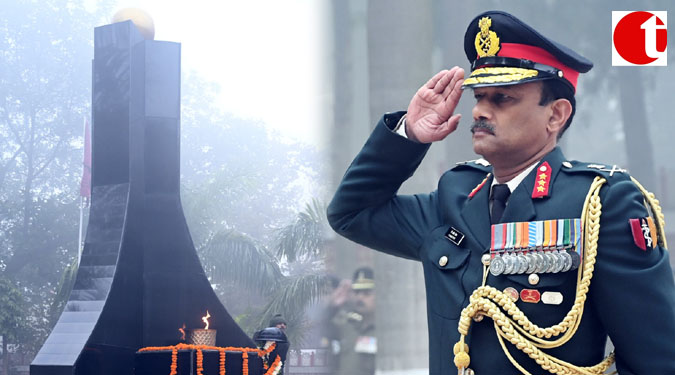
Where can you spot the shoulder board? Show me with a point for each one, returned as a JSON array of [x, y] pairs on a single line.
[[479, 164], [609, 172]]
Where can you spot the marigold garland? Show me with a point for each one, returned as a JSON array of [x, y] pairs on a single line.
[[272, 370], [259, 352], [222, 361], [244, 366], [275, 368], [200, 362], [174, 361], [268, 349]]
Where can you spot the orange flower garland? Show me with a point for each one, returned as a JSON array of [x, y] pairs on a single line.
[[200, 362], [174, 361], [264, 352], [276, 366], [272, 370], [267, 350]]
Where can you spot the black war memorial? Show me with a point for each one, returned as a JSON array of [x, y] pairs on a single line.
[[141, 303]]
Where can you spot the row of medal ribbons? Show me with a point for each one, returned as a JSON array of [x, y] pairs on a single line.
[[548, 246]]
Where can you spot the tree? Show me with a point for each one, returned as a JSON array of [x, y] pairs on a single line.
[[245, 177], [235, 172], [12, 318], [45, 71], [242, 191], [304, 237], [235, 262]]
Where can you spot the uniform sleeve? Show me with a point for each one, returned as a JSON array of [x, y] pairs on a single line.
[[633, 289], [366, 208]]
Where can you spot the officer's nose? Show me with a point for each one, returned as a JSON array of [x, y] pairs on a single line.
[[481, 111]]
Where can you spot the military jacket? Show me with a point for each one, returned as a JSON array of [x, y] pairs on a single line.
[[357, 347], [631, 297]]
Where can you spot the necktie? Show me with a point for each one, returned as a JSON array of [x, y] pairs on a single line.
[[500, 194]]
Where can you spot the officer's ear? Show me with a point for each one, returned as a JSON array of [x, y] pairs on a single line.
[[561, 109]]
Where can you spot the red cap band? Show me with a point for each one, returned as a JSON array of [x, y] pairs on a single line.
[[538, 55]]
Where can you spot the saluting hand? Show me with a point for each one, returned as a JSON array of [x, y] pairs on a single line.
[[341, 294], [430, 113]]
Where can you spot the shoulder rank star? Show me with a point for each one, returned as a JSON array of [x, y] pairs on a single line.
[[542, 180], [601, 167]]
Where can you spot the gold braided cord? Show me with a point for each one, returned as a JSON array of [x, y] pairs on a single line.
[[499, 74], [559, 366], [655, 206], [504, 70], [512, 324], [508, 354], [495, 79], [530, 329]]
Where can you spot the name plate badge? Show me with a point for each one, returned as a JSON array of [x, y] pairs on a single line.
[[454, 236]]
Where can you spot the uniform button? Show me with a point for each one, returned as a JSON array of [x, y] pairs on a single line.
[[443, 261], [567, 164], [533, 279], [468, 371], [485, 259]]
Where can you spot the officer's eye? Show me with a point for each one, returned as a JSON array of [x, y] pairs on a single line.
[[500, 98]]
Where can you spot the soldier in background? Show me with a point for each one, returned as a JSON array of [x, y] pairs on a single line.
[[352, 307], [279, 321]]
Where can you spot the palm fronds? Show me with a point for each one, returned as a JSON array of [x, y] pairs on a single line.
[[305, 235], [290, 298], [234, 256]]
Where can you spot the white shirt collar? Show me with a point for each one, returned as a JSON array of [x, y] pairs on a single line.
[[514, 182]]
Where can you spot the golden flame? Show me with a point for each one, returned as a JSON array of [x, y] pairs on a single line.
[[182, 333], [205, 319]]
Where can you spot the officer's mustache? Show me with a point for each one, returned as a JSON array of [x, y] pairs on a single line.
[[482, 124]]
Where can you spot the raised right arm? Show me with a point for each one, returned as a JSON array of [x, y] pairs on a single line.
[[366, 208]]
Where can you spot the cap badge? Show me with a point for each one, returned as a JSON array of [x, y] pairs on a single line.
[[487, 42]]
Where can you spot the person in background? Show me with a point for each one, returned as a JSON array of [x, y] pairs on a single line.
[[279, 321], [352, 306]]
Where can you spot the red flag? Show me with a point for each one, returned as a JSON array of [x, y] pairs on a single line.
[[85, 184]]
